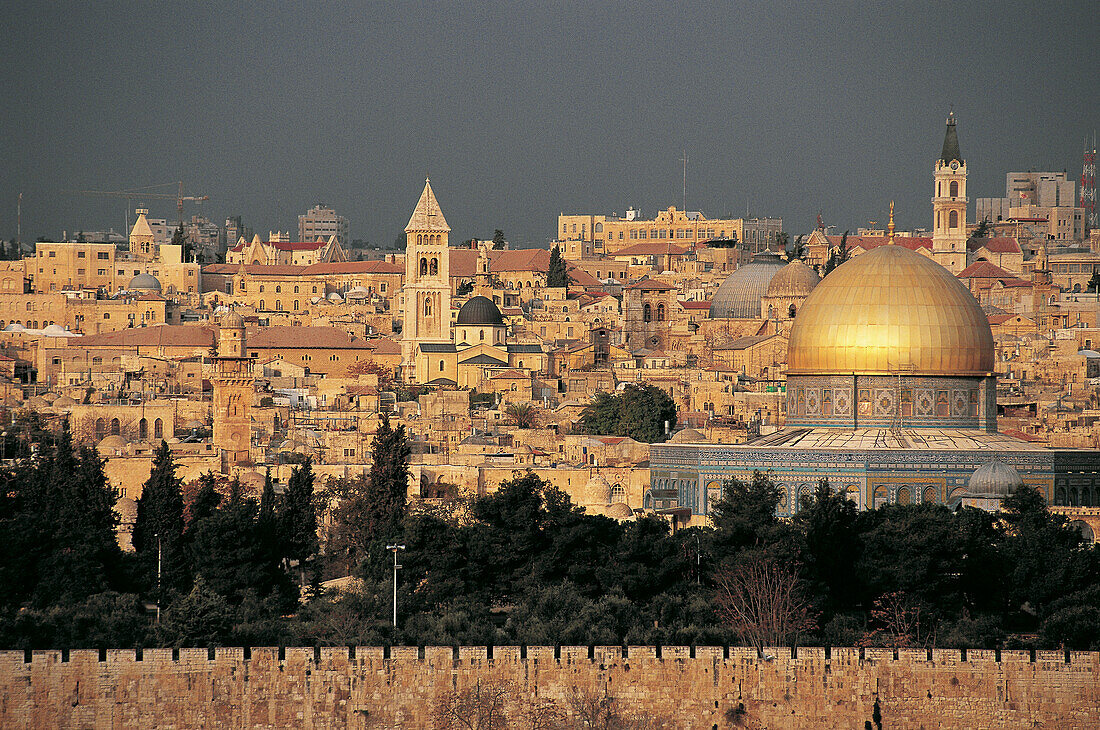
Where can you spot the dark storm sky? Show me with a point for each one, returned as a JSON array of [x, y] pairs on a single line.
[[519, 111]]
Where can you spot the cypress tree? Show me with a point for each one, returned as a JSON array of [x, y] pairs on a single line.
[[298, 517], [557, 275], [159, 524]]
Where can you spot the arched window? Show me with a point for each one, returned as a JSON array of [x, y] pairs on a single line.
[[420, 238], [278, 306], [599, 228], [790, 311], [278, 290], [116, 427], [295, 290], [100, 429], [661, 312], [647, 313], [423, 267], [435, 267], [427, 306], [143, 429], [440, 366], [953, 219], [482, 335], [929, 495], [904, 497], [262, 307], [158, 429], [295, 305], [261, 288], [954, 188]]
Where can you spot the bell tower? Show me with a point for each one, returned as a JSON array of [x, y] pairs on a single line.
[[949, 204], [427, 293]]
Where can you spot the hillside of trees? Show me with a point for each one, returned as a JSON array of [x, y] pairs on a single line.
[[520, 566]]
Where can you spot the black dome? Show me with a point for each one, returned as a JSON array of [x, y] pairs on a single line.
[[480, 311]]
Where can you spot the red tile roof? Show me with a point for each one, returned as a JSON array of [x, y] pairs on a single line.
[[1002, 244], [984, 270], [648, 284], [652, 248], [161, 335], [354, 267], [705, 304], [304, 338]]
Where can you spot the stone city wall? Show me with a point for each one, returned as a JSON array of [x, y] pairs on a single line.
[[702, 687]]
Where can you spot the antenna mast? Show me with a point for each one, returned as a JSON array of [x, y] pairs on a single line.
[[1087, 199]]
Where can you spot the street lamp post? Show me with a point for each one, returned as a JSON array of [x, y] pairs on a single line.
[[396, 567]]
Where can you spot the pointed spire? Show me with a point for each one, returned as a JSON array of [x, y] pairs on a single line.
[[427, 215], [890, 225], [951, 142]]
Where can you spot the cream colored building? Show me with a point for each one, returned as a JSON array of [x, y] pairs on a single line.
[[608, 234]]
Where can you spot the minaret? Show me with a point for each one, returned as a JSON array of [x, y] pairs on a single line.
[[949, 204], [427, 292], [890, 225], [233, 382]]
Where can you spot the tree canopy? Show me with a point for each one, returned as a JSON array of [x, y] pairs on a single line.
[[639, 411]]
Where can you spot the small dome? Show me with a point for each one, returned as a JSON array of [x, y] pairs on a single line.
[[619, 511], [144, 282], [688, 436], [113, 442], [480, 311], [334, 297], [14, 327], [64, 402], [233, 321], [995, 479], [55, 330], [597, 491], [796, 279], [740, 294]]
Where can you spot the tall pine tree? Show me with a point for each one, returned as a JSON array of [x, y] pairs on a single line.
[[159, 526], [298, 518], [557, 275]]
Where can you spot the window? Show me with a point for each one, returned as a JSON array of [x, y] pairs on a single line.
[[314, 290], [423, 267], [80, 272], [435, 267], [143, 429], [427, 306], [647, 313], [103, 256], [81, 254], [100, 429], [661, 312], [262, 307], [953, 219], [53, 254], [954, 188], [106, 315], [440, 366], [278, 290], [295, 290], [158, 429], [295, 305], [116, 427], [101, 272]]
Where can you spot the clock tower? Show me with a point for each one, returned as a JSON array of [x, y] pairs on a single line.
[[949, 204]]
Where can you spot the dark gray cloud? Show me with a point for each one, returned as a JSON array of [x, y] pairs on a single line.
[[521, 110]]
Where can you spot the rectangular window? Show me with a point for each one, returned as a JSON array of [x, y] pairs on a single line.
[[102, 272], [53, 254], [80, 272], [103, 256], [80, 254]]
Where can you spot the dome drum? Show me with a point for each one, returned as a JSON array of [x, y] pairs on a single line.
[[885, 401]]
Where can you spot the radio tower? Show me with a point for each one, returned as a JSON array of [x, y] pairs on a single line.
[[1088, 185]]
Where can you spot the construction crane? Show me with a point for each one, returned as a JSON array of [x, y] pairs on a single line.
[[139, 194]]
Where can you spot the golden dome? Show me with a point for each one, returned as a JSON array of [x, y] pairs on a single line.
[[891, 311]]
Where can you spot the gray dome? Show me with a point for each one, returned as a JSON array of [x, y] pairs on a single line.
[[740, 294], [796, 279], [146, 282], [995, 479], [480, 311]]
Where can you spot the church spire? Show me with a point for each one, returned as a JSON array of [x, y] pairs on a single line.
[[951, 141], [427, 215]]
